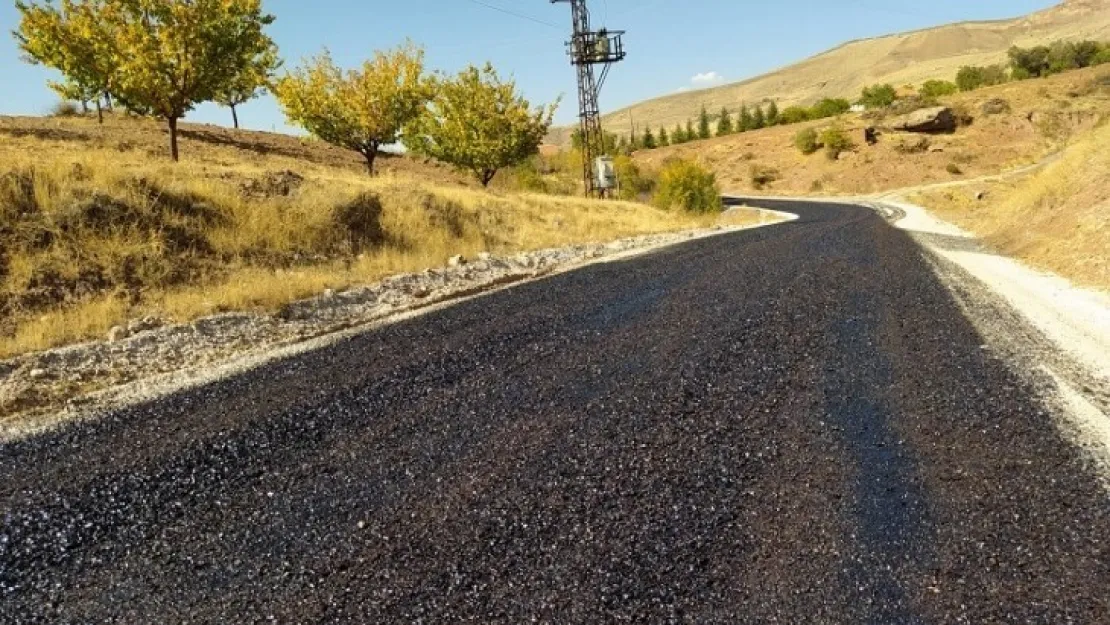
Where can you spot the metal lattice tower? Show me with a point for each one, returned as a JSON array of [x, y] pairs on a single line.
[[588, 49]]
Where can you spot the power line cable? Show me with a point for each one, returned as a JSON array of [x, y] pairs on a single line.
[[515, 14]]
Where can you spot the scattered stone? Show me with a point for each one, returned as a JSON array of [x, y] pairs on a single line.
[[37, 374], [485, 257], [143, 325], [456, 261], [995, 106], [117, 334], [980, 196], [935, 149], [329, 293], [937, 119], [273, 184]]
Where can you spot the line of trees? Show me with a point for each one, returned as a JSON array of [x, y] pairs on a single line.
[[155, 57], [746, 119], [1035, 62], [164, 57]]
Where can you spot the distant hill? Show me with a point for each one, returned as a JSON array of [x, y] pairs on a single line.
[[905, 58]]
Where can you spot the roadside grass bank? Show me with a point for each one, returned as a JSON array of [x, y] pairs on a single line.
[[1056, 219], [44, 388], [95, 231]]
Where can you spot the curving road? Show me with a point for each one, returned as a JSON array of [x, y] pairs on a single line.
[[793, 424]]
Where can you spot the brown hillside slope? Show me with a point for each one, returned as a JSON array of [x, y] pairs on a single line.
[[906, 58], [1042, 116], [1056, 219]]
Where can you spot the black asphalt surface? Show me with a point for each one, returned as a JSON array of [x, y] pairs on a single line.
[[792, 424]]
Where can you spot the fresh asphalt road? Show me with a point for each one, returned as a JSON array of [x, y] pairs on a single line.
[[792, 424]]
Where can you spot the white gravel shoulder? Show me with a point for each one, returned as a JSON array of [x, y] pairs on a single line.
[[1075, 319], [148, 358], [1057, 332]]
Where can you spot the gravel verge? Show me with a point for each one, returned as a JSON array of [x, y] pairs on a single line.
[[1055, 334], [149, 357]]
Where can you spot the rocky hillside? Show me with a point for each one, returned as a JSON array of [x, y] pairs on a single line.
[[1005, 127], [906, 58]]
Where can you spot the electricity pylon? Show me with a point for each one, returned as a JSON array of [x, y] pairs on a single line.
[[587, 49]]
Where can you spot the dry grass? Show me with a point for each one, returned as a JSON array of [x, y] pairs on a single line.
[[1044, 114], [900, 59], [1057, 219], [97, 227]]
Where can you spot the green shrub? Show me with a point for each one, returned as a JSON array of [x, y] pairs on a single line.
[[1103, 56], [954, 169], [806, 141], [970, 78], [794, 115], [526, 176], [835, 141], [762, 176], [830, 107], [635, 185], [687, 186], [1030, 61], [938, 88], [878, 96]]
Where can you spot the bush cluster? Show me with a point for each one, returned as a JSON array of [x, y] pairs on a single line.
[[1035, 62], [806, 141], [878, 96], [972, 77], [1060, 56], [687, 186], [762, 176], [835, 141]]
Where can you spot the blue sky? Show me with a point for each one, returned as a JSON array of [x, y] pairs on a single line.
[[672, 44]]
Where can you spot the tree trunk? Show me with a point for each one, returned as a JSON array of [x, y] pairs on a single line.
[[84, 107], [173, 138], [370, 155], [108, 101], [235, 117], [487, 177], [99, 112]]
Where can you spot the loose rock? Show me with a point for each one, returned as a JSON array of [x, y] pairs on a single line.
[[937, 119]]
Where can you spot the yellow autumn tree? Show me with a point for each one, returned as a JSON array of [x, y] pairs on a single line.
[[160, 57], [174, 54], [254, 79], [73, 39], [361, 109], [479, 123]]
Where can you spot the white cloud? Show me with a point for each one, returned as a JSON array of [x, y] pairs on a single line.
[[682, 89], [707, 79]]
